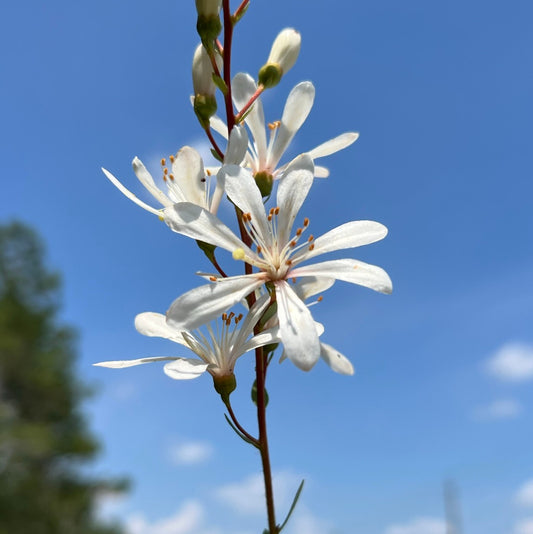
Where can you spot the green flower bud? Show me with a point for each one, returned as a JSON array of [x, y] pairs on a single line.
[[205, 107], [283, 55], [264, 182], [225, 385]]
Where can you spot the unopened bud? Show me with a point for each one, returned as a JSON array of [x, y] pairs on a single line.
[[208, 8], [205, 104], [283, 55], [225, 385]]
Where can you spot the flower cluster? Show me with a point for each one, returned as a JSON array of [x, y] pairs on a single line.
[[275, 242]]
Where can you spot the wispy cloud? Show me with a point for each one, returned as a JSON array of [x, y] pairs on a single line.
[[247, 497], [524, 527], [524, 496], [419, 525], [499, 409], [189, 519], [190, 452], [512, 363]]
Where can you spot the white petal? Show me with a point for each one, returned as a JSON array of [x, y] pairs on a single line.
[[129, 194], [189, 177], [244, 193], [253, 315], [197, 223], [297, 108], [146, 179], [292, 191], [121, 364], [338, 362], [321, 172], [185, 368], [154, 325], [237, 146], [349, 235], [264, 338], [218, 125], [308, 287], [297, 328], [334, 145], [243, 87], [353, 271], [202, 304]]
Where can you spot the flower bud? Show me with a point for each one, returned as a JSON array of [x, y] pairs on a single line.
[[224, 385], [205, 103], [208, 24], [283, 55]]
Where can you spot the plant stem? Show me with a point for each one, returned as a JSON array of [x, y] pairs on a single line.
[[248, 105], [228, 36], [260, 369]]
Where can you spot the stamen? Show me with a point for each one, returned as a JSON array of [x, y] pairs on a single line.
[[293, 279], [208, 172], [213, 278], [274, 125], [171, 176], [320, 299], [276, 211], [238, 254], [224, 316], [299, 232], [171, 158], [310, 238], [163, 162], [311, 246], [355, 266], [259, 249], [288, 262], [231, 315], [292, 243], [306, 222]]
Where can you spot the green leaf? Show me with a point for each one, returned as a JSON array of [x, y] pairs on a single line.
[[239, 433], [293, 505], [254, 394], [220, 83], [216, 155]]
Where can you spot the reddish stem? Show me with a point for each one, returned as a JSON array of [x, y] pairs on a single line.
[[241, 8], [228, 37], [213, 142], [248, 105]]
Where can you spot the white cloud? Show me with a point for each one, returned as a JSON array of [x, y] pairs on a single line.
[[524, 527], [305, 522], [524, 496], [189, 519], [109, 504], [512, 363], [190, 452], [500, 409], [420, 525], [247, 497]]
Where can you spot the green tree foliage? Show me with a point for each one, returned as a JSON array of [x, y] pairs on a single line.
[[43, 435]]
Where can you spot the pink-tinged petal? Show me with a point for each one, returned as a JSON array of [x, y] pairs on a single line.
[[334, 145], [297, 328], [353, 271], [121, 364], [297, 108], [155, 325], [243, 87], [129, 194], [188, 184], [244, 193], [292, 191], [202, 304], [185, 368], [349, 235], [146, 179], [197, 223], [338, 362]]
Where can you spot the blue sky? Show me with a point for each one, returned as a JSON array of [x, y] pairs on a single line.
[[441, 94]]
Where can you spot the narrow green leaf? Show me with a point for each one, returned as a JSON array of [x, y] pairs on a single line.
[[216, 155], [293, 505], [221, 84], [239, 433], [254, 394]]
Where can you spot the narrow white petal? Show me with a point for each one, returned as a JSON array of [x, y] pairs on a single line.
[[253, 315], [308, 287], [237, 146], [146, 179], [297, 108], [297, 328], [218, 194], [197, 223], [185, 368], [264, 338], [337, 361], [243, 87], [349, 235], [129, 194], [155, 325], [334, 145], [121, 364], [219, 126], [321, 172], [244, 193], [202, 304], [353, 271], [189, 177], [292, 191]]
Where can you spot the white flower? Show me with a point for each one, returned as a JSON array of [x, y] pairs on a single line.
[[263, 156], [283, 56], [187, 182], [278, 253], [218, 350]]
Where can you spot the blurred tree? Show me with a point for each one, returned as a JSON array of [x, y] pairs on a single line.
[[43, 435]]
